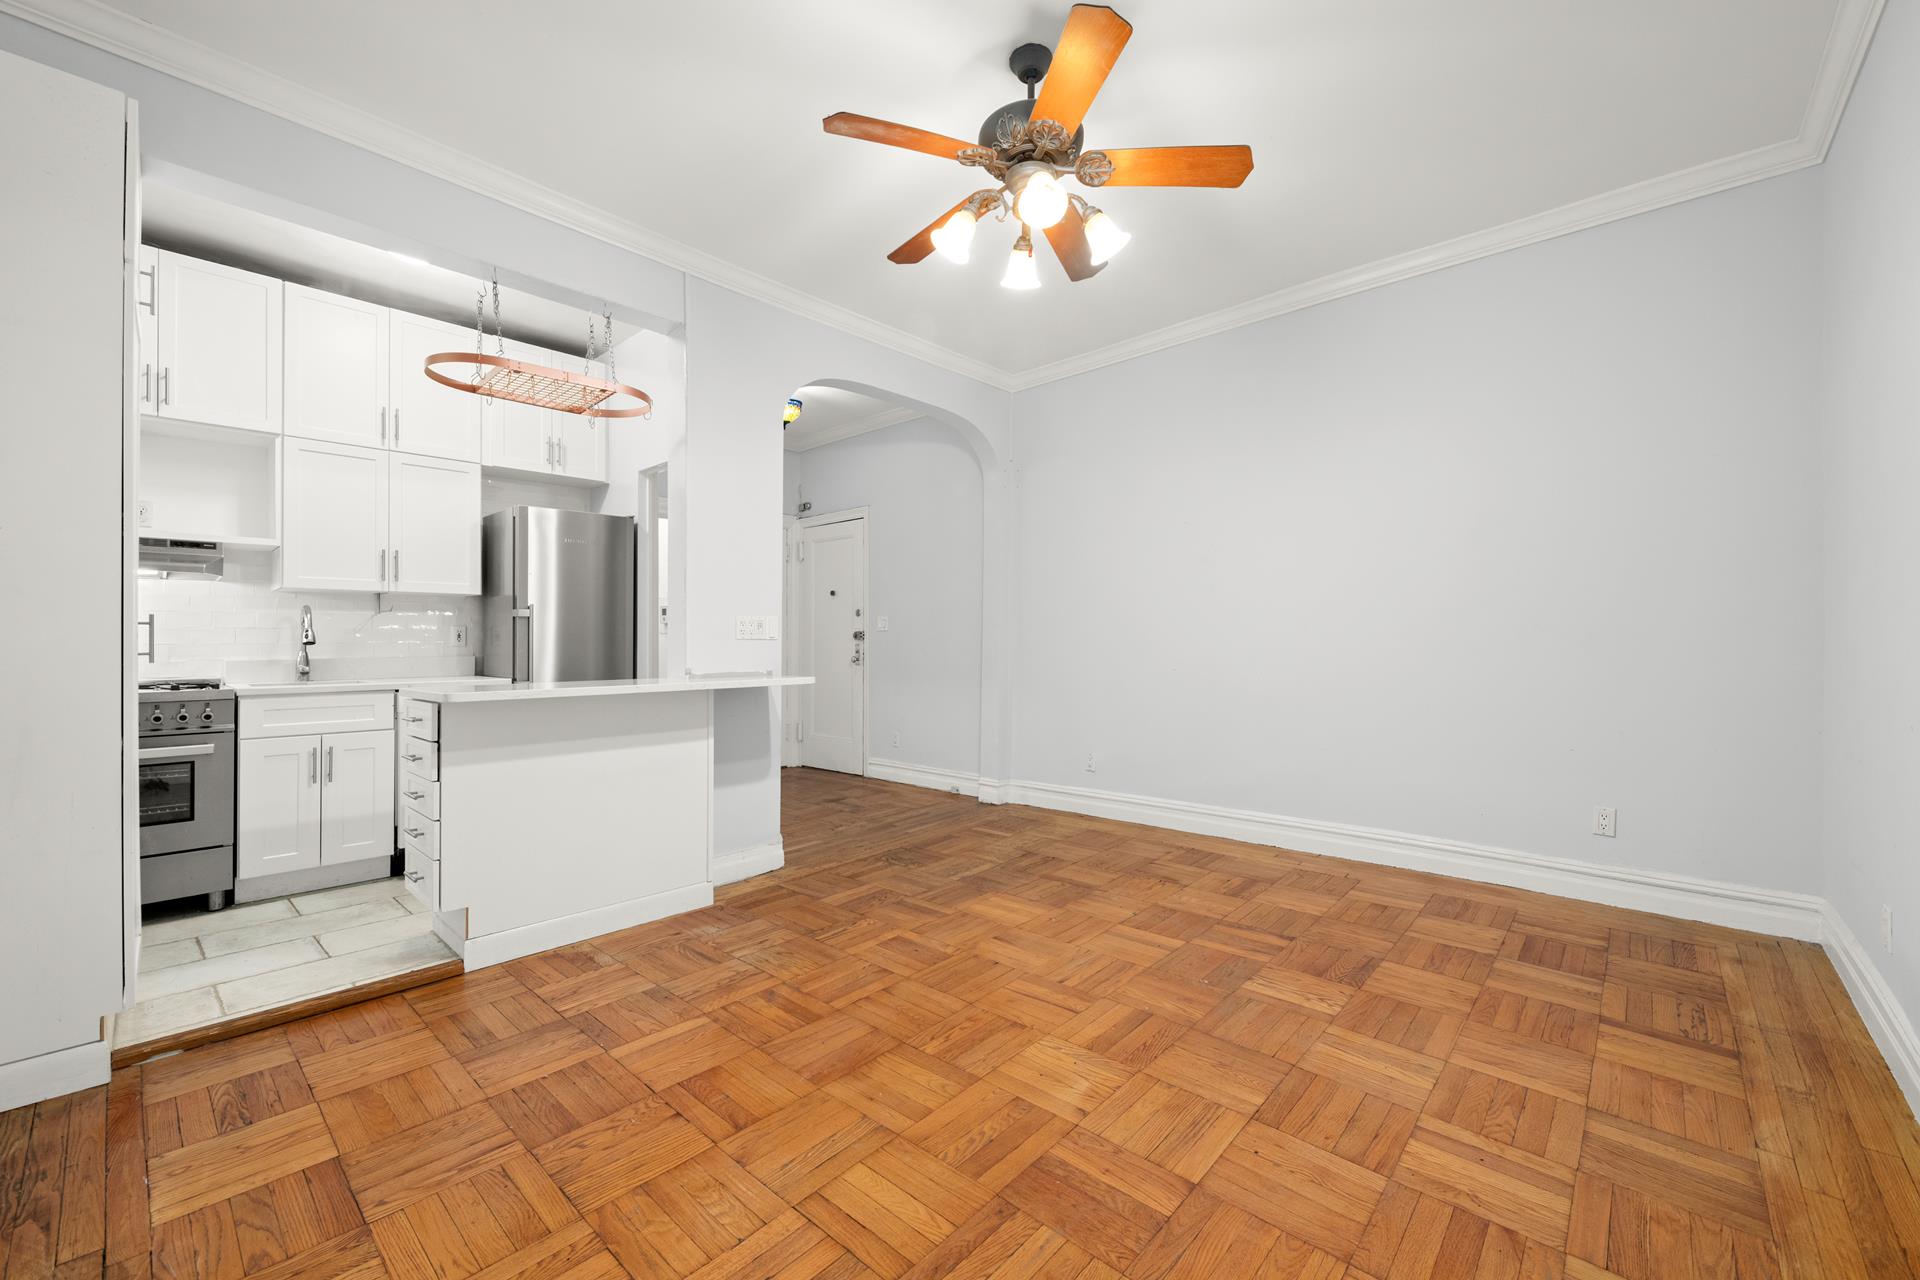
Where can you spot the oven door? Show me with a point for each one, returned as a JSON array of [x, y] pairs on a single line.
[[186, 792]]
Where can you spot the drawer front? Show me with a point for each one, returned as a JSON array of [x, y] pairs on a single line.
[[420, 794], [423, 877], [417, 828], [419, 756], [420, 718], [288, 715]]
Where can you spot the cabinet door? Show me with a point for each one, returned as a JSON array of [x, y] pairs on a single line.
[[333, 517], [356, 797], [583, 446], [279, 806], [517, 435], [436, 525], [146, 331], [427, 417], [219, 345], [336, 368]]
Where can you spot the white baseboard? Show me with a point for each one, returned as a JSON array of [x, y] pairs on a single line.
[[49, 1075], [511, 944], [924, 775], [725, 868], [1889, 1024]]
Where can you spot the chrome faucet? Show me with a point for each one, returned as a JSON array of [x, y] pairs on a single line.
[[302, 668]]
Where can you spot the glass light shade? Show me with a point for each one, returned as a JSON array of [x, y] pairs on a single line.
[[954, 237], [1104, 237], [1021, 271], [1042, 201], [791, 413]]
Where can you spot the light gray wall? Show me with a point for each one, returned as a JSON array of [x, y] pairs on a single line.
[[1871, 432], [1464, 557], [920, 483]]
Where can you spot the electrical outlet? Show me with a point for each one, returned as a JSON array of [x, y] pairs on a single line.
[[896, 738], [1604, 819], [1089, 762], [881, 623], [460, 637], [756, 627], [145, 510], [1886, 929]]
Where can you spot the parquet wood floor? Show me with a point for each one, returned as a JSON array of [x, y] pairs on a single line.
[[953, 1040]]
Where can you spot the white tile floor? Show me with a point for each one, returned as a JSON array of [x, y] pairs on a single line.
[[211, 965]]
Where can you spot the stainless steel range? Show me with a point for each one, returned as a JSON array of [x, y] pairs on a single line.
[[187, 754]]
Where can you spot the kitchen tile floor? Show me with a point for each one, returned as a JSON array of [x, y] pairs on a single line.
[[206, 966]]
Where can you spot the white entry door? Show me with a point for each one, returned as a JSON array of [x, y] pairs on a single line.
[[833, 607]]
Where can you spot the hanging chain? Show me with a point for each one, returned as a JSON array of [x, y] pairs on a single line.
[[606, 355], [499, 338]]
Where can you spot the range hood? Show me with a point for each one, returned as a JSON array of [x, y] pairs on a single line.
[[177, 558]]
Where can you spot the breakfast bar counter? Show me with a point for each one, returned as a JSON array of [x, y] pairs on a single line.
[[534, 815]]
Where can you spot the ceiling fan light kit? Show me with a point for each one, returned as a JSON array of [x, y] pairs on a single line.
[[1032, 146]]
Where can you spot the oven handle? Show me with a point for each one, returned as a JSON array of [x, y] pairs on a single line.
[[178, 753]]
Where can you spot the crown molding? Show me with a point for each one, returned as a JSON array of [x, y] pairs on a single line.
[[94, 23], [112, 31], [848, 430]]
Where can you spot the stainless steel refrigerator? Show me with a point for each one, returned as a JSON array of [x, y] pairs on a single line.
[[558, 594]]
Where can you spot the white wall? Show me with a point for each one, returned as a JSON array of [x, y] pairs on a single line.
[[1871, 431], [1464, 557], [920, 483], [67, 703]]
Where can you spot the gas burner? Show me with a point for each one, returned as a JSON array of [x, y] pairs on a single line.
[[179, 686]]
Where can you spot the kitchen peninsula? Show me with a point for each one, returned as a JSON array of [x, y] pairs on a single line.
[[537, 814]]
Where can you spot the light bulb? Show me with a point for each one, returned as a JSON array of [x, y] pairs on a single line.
[[954, 237], [1042, 202], [1021, 272], [1104, 236], [791, 414]]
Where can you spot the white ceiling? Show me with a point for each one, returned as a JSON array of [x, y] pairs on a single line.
[[1380, 129], [828, 414]]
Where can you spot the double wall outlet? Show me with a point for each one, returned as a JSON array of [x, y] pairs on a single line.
[[1604, 820], [756, 627]]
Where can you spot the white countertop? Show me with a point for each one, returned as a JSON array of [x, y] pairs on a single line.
[[414, 684], [502, 691]]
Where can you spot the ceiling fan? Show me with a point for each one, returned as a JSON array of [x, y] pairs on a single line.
[[1030, 145]]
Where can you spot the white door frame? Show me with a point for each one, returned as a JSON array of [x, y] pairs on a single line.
[[790, 752]]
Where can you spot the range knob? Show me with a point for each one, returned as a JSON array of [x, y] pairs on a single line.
[[156, 717], [183, 718], [206, 714]]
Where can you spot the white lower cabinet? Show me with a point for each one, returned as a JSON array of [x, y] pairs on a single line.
[[356, 797], [278, 827]]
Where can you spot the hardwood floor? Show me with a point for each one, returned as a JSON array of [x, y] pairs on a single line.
[[955, 1040]]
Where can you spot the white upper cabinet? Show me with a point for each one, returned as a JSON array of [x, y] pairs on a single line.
[[583, 446], [518, 435], [435, 525], [217, 344], [427, 417], [336, 381], [333, 517]]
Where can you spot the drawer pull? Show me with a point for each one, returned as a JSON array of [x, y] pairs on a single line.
[[415, 795], [417, 835], [414, 719], [415, 877], [410, 756]]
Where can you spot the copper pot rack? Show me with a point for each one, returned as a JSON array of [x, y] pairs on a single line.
[[536, 384]]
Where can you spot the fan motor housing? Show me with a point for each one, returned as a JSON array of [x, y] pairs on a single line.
[[1018, 113]]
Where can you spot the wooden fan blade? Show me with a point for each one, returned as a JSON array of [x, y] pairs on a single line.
[[1179, 166], [866, 128], [1090, 44], [1069, 240], [922, 243]]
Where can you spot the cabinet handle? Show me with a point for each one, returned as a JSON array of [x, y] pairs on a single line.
[[416, 834], [415, 877], [146, 384], [313, 765], [153, 290], [412, 757], [414, 719], [383, 564], [383, 424], [166, 385], [396, 424], [561, 445], [549, 453], [329, 764], [396, 550], [414, 795]]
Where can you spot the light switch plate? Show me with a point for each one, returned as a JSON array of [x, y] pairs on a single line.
[[764, 626], [883, 622], [145, 509]]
